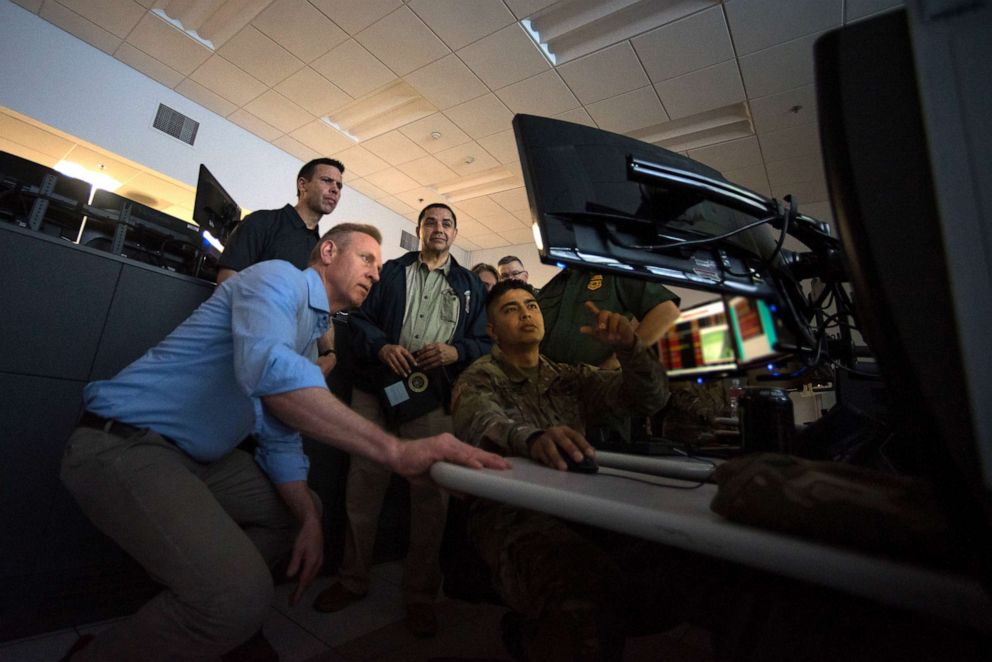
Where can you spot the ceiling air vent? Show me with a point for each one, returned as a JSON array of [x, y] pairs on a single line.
[[176, 124], [408, 241]]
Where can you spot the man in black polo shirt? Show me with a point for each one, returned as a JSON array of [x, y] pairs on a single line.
[[289, 233]]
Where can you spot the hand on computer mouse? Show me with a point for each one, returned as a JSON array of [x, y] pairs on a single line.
[[561, 447]]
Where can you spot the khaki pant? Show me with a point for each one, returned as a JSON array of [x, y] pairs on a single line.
[[208, 532], [367, 484]]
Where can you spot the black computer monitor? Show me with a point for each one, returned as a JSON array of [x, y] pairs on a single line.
[[699, 345], [152, 237], [38, 197], [214, 209], [874, 136]]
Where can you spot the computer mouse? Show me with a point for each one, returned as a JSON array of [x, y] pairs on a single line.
[[586, 466]]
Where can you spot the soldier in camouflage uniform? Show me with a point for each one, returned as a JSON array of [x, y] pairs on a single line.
[[571, 583]]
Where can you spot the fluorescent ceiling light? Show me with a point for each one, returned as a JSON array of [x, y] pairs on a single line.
[[96, 178], [209, 22], [388, 108], [490, 181], [707, 128], [536, 36]]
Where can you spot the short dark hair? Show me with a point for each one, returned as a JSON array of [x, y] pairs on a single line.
[[504, 286], [482, 266], [441, 205], [306, 172], [507, 259], [341, 235]]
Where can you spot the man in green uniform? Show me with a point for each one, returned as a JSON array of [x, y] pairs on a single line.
[[653, 306], [581, 591]]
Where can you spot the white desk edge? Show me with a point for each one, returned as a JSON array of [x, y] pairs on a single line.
[[682, 518]]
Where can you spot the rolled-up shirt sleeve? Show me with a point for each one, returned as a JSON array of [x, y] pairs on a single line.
[[270, 347]]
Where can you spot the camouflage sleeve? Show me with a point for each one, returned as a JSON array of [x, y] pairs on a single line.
[[483, 418], [639, 388]]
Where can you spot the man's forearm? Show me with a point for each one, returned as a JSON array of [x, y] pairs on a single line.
[[298, 499], [656, 321], [317, 414]]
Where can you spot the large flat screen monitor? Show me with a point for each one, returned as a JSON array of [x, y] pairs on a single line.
[[214, 209], [699, 345]]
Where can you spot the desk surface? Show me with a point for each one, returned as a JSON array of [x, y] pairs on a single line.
[[653, 508]]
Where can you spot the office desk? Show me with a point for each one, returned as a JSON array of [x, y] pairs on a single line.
[[682, 518]]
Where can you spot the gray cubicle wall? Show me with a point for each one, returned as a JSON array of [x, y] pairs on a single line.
[[68, 314]]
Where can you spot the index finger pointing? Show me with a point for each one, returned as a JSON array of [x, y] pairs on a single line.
[[591, 307]]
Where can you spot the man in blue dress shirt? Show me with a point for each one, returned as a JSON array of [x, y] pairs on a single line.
[[154, 462]]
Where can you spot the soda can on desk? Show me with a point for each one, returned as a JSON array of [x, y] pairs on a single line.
[[766, 417]]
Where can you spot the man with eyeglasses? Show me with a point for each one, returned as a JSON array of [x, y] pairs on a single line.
[[510, 266], [422, 323]]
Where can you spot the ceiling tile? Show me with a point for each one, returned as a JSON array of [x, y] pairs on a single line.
[[480, 207], [821, 211], [279, 111], [524, 216], [544, 94], [459, 23], [629, 111], [27, 153], [394, 147], [785, 109], [481, 117], [519, 236], [814, 190], [692, 43], [795, 141], [779, 68], [428, 170], [421, 132], [465, 244], [116, 16], [402, 42], [395, 204], [260, 56], [148, 65], [79, 26], [759, 24], [751, 177], [225, 79], [604, 74], [578, 116], [314, 93], [731, 155], [353, 69], [318, 136], [293, 146], [858, 9], [489, 241], [31, 5], [502, 222], [504, 57], [446, 82], [166, 44], [366, 188], [360, 162], [392, 181], [702, 90], [260, 128], [418, 198], [300, 28], [524, 8], [162, 189], [789, 171], [206, 98], [512, 200], [467, 159], [36, 138], [502, 145], [469, 227], [98, 161], [355, 15]]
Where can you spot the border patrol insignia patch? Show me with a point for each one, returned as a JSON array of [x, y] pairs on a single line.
[[595, 282]]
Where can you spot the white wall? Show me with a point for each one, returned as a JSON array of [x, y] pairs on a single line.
[[57, 79]]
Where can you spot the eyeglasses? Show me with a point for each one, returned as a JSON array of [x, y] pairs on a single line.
[[513, 274]]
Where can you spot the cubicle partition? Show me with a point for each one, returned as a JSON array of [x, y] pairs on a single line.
[[68, 315]]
